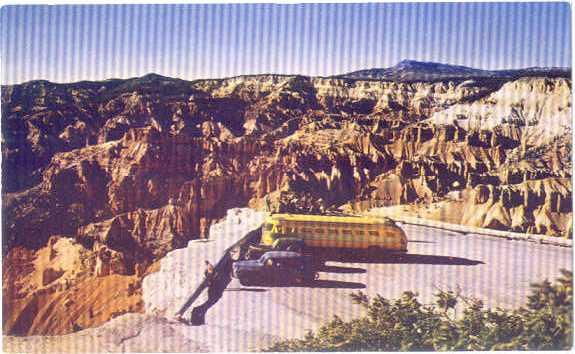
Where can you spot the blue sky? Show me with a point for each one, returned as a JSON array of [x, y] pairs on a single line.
[[71, 43]]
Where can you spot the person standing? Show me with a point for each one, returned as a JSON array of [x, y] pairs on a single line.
[[209, 273]]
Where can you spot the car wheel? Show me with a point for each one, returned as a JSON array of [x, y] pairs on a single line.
[[312, 277]]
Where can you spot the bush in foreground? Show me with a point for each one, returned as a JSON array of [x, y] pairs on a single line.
[[405, 324]]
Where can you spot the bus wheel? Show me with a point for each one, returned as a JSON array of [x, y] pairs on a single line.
[[318, 262], [373, 252]]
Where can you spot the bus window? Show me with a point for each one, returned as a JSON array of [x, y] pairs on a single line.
[[346, 232], [373, 233]]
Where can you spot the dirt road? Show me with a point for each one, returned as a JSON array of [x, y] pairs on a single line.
[[498, 271]]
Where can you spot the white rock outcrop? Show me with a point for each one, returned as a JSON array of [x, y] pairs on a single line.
[[540, 106]]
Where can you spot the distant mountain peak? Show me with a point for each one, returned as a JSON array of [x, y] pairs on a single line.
[[416, 63], [153, 76], [413, 70]]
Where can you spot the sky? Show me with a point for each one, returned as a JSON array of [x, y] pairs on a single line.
[[70, 43]]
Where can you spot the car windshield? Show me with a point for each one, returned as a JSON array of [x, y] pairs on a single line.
[[278, 258]]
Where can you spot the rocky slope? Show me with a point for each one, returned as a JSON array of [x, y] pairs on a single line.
[[139, 167], [64, 287]]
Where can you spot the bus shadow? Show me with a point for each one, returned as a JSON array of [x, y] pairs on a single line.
[[335, 284], [430, 259], [341, 270], [406, 258]]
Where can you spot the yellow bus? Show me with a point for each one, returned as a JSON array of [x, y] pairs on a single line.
[[294, 232]]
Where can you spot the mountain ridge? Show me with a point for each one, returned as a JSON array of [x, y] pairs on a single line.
[[407, 70]]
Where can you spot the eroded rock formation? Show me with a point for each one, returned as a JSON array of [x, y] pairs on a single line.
[[131, 169]]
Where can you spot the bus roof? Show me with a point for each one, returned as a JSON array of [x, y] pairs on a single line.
[[329, 219]]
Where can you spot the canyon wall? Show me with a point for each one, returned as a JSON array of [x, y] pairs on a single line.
[[142, 166]]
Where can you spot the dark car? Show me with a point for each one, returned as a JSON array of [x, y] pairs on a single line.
[[275, 266]]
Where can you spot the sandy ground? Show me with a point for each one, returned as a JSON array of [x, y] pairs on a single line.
[[498, 271]]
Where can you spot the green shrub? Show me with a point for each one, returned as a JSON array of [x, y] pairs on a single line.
[[404, 324]]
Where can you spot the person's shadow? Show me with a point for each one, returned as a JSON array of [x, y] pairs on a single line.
[[215, 293]]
